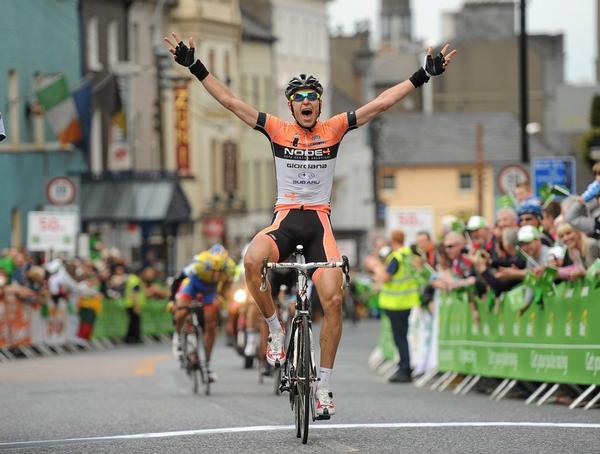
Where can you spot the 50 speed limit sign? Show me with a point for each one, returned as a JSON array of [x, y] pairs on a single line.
[[61, 191]]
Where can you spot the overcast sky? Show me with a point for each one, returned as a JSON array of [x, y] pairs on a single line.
[[577, 22]]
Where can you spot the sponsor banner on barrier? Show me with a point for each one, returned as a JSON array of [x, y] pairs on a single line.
[[547, 341], [15, 323], [57, 323]]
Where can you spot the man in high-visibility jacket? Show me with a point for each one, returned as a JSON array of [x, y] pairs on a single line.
[[134, 299], [399, 294]]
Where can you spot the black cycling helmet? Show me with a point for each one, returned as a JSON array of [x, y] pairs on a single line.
[[303, 81]]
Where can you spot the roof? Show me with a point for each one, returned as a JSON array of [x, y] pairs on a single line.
[[449, 138], [252, 30], [134, 201]]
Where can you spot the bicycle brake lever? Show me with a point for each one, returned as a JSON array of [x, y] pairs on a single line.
[[263, 276], [346, 271]]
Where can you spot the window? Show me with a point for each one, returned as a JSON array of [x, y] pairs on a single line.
[[96, 161], [255, 92], [211, 61], [15, 239], [267, 93], [248, 184], [270, 186], [465, 182], [389, 182], [113, 43], [136, 42], [93, 52], [215, 167], [12, 128], [258, 185], [244, 87], [227, 70]]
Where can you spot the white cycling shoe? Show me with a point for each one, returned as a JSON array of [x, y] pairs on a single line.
[[176, 346], [324, 402], [275, 349]]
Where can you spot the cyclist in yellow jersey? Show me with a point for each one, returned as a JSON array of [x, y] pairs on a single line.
[[305, 151], [205, 278]]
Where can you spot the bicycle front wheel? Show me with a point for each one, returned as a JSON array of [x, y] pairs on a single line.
[[277, 381], [202, 365], [195, 362], [305, 373]]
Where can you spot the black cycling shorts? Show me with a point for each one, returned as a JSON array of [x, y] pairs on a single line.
[[310, 228]]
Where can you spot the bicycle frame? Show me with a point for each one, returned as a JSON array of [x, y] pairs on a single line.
[[299, 371]]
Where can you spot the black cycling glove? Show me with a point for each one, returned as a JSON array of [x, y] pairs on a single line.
[[434, 66], [184, 55]]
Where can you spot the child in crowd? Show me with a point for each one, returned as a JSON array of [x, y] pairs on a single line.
[[593, 189]]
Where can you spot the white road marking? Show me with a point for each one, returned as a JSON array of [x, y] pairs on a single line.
[[229, 430]]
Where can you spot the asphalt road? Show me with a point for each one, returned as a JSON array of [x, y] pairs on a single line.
[[136, 399]]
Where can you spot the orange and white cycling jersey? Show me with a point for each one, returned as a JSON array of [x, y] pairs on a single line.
[[305, 159]]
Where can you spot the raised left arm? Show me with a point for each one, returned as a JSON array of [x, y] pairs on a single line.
[[434, 66]]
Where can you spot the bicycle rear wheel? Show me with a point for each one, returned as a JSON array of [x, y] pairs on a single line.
[[297, 386]]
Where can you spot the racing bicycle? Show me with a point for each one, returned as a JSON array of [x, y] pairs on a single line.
[[193, 350], [299, 372]]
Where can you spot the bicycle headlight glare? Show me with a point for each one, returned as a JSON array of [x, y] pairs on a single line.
[[240, 296]]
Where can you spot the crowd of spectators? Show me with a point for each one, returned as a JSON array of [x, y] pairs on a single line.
[[30, 279], [523, 240], [25, 273], [533, 241]]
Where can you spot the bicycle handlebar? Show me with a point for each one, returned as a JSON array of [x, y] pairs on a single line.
[[344, 264], [305, 266]]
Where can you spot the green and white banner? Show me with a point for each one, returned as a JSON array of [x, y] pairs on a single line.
[[552, 338]]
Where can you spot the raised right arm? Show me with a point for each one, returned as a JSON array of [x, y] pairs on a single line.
[[184, 55], [218, 90]]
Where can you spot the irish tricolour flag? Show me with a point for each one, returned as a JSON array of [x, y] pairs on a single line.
[[55, 98]]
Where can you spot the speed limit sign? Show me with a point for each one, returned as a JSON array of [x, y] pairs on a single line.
[[61, 191], [510, 176]]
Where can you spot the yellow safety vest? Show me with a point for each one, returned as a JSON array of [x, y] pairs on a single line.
[[401, 292], [132, 282]]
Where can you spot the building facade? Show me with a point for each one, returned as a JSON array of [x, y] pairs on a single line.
[[211, 166], [30, 155], [257, 173], [430, 162], [302, 47], [487, 78]]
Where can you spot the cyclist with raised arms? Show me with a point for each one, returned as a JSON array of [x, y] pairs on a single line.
[[305, 153], [208, 275]]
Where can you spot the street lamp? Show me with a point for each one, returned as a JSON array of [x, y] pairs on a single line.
[[523, 84]]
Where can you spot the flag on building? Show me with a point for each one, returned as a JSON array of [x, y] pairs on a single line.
[[107, 98], [82, 96], [2, 132], [56, 100]]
